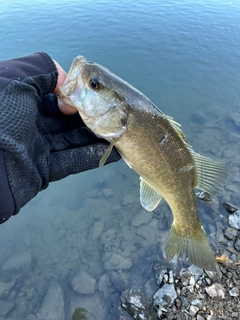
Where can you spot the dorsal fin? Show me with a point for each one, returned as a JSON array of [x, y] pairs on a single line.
[[176, 126]]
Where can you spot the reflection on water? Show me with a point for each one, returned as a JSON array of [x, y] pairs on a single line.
[[85, 239]]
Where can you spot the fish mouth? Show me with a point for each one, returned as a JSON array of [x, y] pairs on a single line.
[[71, 82]]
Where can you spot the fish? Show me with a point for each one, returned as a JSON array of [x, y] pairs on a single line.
[[155, 147]]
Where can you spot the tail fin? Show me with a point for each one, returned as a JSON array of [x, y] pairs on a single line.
[[197, 251]]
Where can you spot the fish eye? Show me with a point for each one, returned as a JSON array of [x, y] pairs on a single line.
[[94, 83]]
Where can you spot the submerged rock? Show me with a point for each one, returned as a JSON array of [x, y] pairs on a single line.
[[17, 265], [5, 288], [234, 220], [53, 304], [114, 261], [97, 229], [138, 305], [165, 296], [83, 283]]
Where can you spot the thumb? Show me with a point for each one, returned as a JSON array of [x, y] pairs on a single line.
[[64, 108]]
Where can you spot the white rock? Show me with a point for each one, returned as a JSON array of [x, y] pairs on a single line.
[[165, 296], [193, 310], [234, 220], [234, 292], [115, 261], [216, 291], [53, 304], [83, 283], [97, 229]]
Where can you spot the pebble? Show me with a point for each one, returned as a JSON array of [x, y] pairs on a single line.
[[199, 317], [193, 310], [234, 292], [237, 244], [230, 233], [216, 291], [197, 302], [234, 220]]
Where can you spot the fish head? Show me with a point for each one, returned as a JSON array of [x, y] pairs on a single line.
[[93, 91]]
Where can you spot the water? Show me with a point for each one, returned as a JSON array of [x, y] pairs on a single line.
[[185, 57]]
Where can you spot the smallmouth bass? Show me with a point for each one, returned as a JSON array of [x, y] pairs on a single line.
[[153, 145]]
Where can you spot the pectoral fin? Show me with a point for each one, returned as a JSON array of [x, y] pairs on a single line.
[[149, 197], [211, 175], [105, 155]]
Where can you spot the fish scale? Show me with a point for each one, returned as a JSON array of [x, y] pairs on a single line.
[[154, 146]]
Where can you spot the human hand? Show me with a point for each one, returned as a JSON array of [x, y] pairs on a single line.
[[38, 143]]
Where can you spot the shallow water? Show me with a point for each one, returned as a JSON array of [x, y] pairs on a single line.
[[185, 57]]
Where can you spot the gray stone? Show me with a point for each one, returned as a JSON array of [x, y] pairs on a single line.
[[142, 217], [198, 118], [237, 244], [114, 261], [230, 233], [195, 271], [160, 271], [171, 278], [138, 305], [193, 310], [6, 307], [216, 291], [185, 275], [17, 265], [119, 280], [199, 317], [83, 283], [127, 199], [235, 117], [107, 192], [213, 275], [197, 302], [53, 304], [165, 296], [97, 229], [234, 292], [234, 220], [5, 288]]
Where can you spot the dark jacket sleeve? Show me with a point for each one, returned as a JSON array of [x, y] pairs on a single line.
[[34, 76]]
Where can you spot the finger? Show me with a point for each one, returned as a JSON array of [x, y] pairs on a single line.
[[73, 161], [62, 75], [65, 108]]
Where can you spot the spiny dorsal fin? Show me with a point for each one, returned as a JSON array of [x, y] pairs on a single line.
[[176, 126]]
